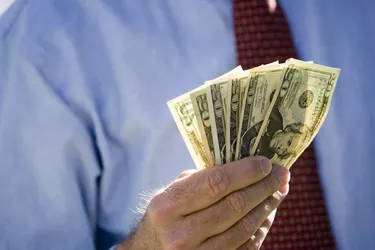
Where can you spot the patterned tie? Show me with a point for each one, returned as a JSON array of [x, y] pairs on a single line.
[[302, 221]]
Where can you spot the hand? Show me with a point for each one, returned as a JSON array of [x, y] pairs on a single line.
[[223, 207]]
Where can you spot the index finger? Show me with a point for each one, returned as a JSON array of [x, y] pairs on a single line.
[[208, 186]]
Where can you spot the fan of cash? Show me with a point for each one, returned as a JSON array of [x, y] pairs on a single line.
[[274, 110]]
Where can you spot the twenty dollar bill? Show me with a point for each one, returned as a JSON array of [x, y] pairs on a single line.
[[297, 112], [263, 82], [185, 119]]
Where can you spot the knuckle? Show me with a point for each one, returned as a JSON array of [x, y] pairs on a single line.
[[248, 224], [154, 211], [189, 228], [218, 181], [176, 240], [237, 201], [176, 245], [158, 209]]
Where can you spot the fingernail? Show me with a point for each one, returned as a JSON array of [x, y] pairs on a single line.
[[283, 190], [266, 166]]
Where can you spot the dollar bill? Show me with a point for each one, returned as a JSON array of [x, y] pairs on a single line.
[[224, 77], [221, 80], [260, 90], [297, 112], [272, 63], [183, 114], [217, 120], [200, 107], [235, 87], [190, 123], [243, 86], [245, 83]]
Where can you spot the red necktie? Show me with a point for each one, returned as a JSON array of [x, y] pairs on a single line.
[[302, 221]]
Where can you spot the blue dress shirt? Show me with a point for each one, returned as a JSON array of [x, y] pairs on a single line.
[[341, 33], [84, 125]]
